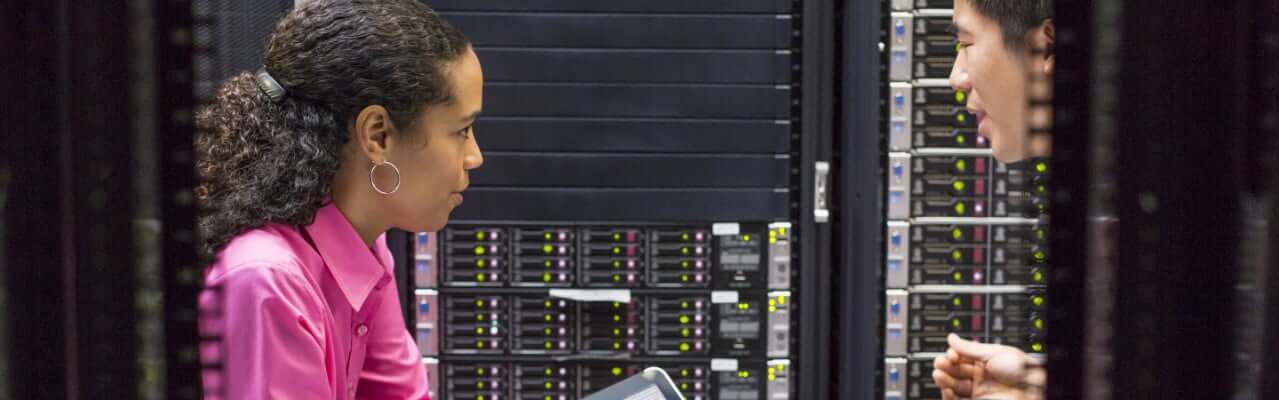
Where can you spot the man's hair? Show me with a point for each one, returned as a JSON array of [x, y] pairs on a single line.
[[1015, 17]]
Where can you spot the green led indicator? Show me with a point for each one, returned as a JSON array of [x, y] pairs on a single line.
[[957, 276], [954, 323], [1041, 167], [961, 117], [481, 277], [547, 317], [617, 345], [617, 264], [546, 331], [960, 96], [547, 264], [957, 302], [546, 304], [957, 234], [683, 372], [1039, 324], [617, 332], [956, 255], [548, 346], [746, 238], [961, 165], [744, 374], [617, 237], [683, 319], [684, 251], [959, 186], [683, 264], [548, 372], [481, 263], [617, 371], [1038, 300], [548, 384], [617, 318], [1037, 347], [479, 330], [480, 250], [546, 277], [683, 304], [617, 304], [683, 278], [1040, 256], [547, 236], [960, 208], [617, 278], [685, 346], [617, 250], [684, 332], [1042, 188], [548, 249], [1038, 276], [684, 236], [479, 235], [1041, 234], [960, 138]]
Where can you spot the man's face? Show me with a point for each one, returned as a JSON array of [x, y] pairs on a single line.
[[995, 79]]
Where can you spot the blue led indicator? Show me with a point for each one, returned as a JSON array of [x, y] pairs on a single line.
[[896, 239]]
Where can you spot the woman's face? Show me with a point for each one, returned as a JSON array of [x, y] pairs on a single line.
[[433, 171]]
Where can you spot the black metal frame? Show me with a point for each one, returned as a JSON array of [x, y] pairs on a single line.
[[183, 270], [860, 214], [1172, 229], [1073, 185], [76, 278], [1266, 111], [817, 123]]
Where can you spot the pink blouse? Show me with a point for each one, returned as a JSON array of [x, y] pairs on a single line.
[[310, 319]]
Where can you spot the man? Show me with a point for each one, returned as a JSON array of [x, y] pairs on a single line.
[[1004, 58]]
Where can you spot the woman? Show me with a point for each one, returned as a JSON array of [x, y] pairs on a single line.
[[360, 121]]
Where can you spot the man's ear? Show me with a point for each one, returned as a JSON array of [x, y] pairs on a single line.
[[1048, 37], [372, 129]]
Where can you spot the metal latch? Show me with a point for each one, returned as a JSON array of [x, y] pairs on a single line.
[[821, 210]]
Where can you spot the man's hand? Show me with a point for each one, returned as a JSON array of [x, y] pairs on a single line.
[[984, 371]]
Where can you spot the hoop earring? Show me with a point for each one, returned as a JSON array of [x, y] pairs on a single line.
[[373, 182]]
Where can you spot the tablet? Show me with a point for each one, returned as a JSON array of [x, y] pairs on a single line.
[[652, 384]]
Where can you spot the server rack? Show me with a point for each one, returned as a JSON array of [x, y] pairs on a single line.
[[965, 242], [651, 174]]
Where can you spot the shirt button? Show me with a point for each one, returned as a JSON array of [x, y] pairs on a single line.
[[360, 331]]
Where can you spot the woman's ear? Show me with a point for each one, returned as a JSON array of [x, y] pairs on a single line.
[[373, 127]]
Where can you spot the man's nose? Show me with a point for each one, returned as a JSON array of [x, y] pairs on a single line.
[[959, 75]]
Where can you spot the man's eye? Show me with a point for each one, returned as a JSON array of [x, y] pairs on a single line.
[[465, 131]]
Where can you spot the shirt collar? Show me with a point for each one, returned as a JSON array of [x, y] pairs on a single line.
[[357, 269]]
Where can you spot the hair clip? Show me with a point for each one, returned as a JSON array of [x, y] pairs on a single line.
[[269, 85]]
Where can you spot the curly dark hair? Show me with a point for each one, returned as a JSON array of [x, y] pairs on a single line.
[[267, 162]]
